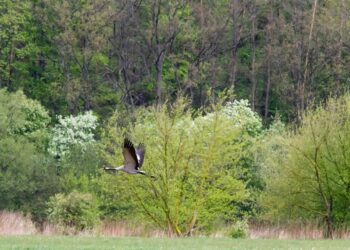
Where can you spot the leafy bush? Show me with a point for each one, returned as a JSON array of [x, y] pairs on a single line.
[[21, 115], [78, 168], [77, 211], [239, 229]]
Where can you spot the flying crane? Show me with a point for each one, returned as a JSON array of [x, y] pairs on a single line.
[[133, 159]]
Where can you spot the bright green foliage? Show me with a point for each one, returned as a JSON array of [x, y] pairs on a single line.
[[242, 116], [114, 203], [80, 38], [175, 72], [75, 211], [23, 116], [14, 36], [79, 168], [72, 131], [27, 177], [195, 162], [24, 50], [307, 172], [105, 100]]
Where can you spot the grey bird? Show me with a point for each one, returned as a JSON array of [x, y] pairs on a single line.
[[133, 159]]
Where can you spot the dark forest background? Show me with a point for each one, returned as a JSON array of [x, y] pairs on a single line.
[[95, 55]]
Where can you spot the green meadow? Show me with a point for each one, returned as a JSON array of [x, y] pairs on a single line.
[[138, 243]]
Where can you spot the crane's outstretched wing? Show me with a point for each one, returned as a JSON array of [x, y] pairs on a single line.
[[130, 158], [140, 154]]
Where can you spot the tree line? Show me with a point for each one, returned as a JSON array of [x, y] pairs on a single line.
[[81, 55]]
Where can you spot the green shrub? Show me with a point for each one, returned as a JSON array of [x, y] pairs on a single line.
[[239, 230], [21, 115], [75, 211]]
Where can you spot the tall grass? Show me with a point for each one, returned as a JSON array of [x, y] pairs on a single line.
[[123, 228], [293, 231], [12, 223]]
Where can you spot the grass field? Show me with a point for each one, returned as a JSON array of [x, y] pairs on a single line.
[[124, 243]]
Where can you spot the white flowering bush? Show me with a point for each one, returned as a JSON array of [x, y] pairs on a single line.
[[72, 131], [240, 114], [243, 116]]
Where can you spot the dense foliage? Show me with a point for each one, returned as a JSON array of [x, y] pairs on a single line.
[[27, 176], [75, 56]]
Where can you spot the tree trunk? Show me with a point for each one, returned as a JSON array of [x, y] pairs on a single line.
[[340, 48], [127, 87], [253, 73], [329, 220], [268, 84], [233, 68], [85, 77], [302, 85], [192, 224], [159, 76], [161, 44], [268, 53], [237, 30], [10, 70]]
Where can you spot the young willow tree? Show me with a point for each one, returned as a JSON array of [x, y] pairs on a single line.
[[195, 161], [308, 171]]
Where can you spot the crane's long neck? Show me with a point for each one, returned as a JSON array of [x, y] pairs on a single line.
[[116, 169], [119, 168]]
